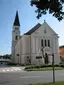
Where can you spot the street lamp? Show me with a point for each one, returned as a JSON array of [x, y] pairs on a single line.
[[52, 63], [53, 68]]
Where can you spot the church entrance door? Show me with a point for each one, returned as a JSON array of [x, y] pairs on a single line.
[[46, 58]]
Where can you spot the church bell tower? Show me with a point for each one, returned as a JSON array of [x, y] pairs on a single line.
[[15, 35]]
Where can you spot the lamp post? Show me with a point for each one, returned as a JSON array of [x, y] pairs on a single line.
[[53, 68], [52, 63]]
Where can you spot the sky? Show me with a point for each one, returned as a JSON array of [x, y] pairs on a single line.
[[27, 17]]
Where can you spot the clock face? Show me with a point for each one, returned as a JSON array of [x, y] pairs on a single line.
[[16, 28]]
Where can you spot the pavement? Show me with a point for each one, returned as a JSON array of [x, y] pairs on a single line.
[[17, 76]]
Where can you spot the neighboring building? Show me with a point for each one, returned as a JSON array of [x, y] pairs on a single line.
[[61, 49], [30, 47]]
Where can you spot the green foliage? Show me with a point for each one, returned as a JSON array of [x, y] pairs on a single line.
[[7, 56], [43, 66], [53, 6], [56, 83], [44, 69]]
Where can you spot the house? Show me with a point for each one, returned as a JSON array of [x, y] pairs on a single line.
[[61, 50], [35, 46]]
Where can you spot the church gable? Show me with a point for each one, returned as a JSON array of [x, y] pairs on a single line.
[[48, 28], [44, 30]]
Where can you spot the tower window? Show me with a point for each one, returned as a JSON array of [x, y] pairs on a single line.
[[17, 54], [45, 43], [16, 38], [49, 43], [42, 42], [45, 30]]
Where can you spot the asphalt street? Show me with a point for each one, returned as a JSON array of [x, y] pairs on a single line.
[[22, 77]]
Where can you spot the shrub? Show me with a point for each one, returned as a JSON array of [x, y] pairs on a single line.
[[42, 66], [28, 67], [61, 65]]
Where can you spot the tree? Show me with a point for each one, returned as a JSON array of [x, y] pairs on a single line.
[[54, 7], [7, 56]]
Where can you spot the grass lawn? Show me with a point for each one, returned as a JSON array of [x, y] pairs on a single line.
[[57, 83], [44, 69]]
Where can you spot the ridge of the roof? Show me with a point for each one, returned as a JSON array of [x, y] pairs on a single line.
[[16, 21], [33, 29]]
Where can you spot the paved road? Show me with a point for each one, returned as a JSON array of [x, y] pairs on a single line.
[[22, 77]]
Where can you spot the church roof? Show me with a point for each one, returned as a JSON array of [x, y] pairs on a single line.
[[16, 22], [33, 29]]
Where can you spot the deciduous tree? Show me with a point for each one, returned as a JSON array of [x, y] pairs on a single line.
[[54, 7]]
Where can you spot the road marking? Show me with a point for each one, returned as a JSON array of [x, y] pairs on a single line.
[[8, 70], [19, 69], [3, 70], [11, 69], [32, 76], [15, 69]]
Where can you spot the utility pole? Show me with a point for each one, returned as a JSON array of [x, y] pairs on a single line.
[[53, 68]]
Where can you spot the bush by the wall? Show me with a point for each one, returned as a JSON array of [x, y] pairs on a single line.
[[42, 66]]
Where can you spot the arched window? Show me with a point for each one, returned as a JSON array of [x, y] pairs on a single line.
[[16, 38], [49, 43], [45, 43]]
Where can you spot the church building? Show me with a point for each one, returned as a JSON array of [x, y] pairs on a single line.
[[35, 46]]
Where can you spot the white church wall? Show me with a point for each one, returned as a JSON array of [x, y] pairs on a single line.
[[33, 45], [50, 59], [56, 51], [25, 44], [25, 40], [36, 50], [48, 35]]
